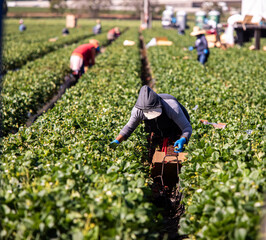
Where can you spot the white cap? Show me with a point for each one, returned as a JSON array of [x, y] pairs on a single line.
[[152, 113]]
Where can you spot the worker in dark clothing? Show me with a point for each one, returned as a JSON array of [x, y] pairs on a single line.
[[201, 45], [65, 32], [163, 115], [82, 58]]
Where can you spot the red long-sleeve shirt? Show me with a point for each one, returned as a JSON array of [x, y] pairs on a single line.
[[86, 52]]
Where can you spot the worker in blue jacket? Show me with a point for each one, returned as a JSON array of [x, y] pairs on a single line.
[[163, 115], [201, 45]]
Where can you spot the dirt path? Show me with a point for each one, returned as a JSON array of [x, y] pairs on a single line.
[[170, 206]]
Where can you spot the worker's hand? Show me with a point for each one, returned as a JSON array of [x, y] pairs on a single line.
[[114, 144], [190, 48], [205, 51], [179, 144]]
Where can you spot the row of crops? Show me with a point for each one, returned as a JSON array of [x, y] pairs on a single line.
[[224, 178], [60, 180], [24, 91], [19, 48], [28, 88]]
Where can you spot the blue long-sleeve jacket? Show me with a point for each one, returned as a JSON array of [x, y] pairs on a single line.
[[201, 44]]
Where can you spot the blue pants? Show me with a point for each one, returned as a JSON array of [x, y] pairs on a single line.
[[202, 58]]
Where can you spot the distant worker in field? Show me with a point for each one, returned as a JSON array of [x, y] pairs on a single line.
[[98, 28], [22, 27], [201, 45], [96, 45], [163, 115], [65, 32], [113, 34], [82, 58]]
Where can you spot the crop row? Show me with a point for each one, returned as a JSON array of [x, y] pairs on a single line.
[[47, 27], [14, 58], [61, 180], [224, 177], [25, 90], [33, 43]]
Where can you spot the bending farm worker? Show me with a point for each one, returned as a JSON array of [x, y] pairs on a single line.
[[22, 27], [113, 34], [96, 45], [201, 45], [65, 32], [163, 115], [81, 58], [98, 28]]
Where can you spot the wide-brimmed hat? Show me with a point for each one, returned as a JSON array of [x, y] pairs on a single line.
[[197, 31], [152, 113]]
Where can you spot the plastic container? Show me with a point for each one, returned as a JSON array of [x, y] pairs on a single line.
[[200, 17], [181, 17], [215, 16]]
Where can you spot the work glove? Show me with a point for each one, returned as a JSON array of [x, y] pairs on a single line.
[[190, 48], [205, 51], [179, 144], [114, 144]]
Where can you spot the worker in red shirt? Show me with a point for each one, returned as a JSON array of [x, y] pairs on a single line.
[[82, 58], [113, 34]]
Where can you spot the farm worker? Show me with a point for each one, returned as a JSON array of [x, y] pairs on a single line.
[[163, 115], [96, 45], [98, 28], [81, 58], [22, 27], [229, 32], [65, 32], [201, 45], [113, 34]]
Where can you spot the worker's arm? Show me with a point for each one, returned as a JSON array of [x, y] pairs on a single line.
[[197, 43], [135, 119], [117, 141]]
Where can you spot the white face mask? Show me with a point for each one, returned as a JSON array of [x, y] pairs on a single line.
[[152, 113]]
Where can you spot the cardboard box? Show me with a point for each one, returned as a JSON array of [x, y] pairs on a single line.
[[211, 38], [167, 166], [71, 21]]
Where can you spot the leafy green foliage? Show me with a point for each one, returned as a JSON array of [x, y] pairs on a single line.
[[19, 48], [25, 90], [224, 178], [59, 177]]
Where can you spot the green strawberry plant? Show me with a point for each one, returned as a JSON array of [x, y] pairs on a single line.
[[59, 177], [25, 90], [224, 177]]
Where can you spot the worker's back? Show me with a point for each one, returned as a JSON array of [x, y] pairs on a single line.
[[84, 48], [86, 52]]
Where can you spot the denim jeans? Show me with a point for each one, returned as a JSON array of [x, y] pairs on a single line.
[[202, 58]]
